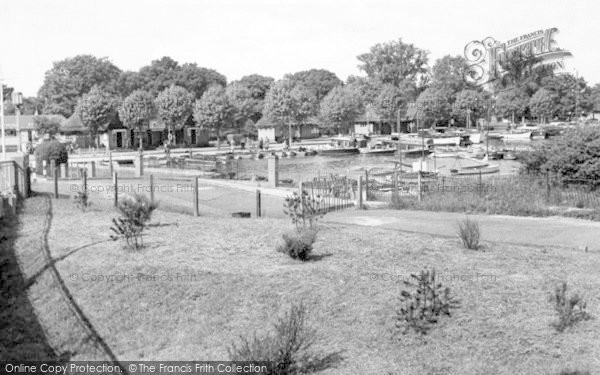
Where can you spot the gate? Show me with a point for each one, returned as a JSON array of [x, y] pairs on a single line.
[[333, 192]]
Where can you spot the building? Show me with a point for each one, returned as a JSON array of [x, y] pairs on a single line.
[[113, 134], [277, 130], [26, 132], [370, 123]]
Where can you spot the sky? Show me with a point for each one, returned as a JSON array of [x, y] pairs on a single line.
[[274, 37]]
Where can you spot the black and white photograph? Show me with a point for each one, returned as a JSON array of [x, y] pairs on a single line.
[[287, 187]]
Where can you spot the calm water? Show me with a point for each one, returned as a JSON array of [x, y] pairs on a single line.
[[303, 168]]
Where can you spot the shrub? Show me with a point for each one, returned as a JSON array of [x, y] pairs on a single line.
[[303, 209], [82, 200], [469, 233], [50, 150], [136, 210], [288, 348], [570, 310], [298, 245], [421, 308]]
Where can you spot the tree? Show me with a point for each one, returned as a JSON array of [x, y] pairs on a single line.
[[392, 100], [340, 107], [433, 105], [394, 62], [289, 104], [128, 82], [198, 79], [469, 105], [318, 81], [572, 93], [449, 73], [96, 109], [71, 78], [174, 106], [519, 70], [136, 111], [240, 98], [159, 75], [543, 104], [49, 125], [214, 110], [512, 103], [258, 86], [368, 89], [595, 98]]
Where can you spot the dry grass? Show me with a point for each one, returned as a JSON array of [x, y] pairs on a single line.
[[236, 281]]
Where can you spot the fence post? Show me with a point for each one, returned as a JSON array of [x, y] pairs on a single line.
[[151, 188], [273, 170], [93, 169], [419, 186], [55, 183], [52, 168], [85, 181], [110, 162], [116, 187], [366, 185], [548, 186], [27, 182], [258, 203], [196, 200], [360, 194]]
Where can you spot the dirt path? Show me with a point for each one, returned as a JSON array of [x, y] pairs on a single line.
[[551, 231]]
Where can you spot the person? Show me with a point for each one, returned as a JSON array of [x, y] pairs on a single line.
[[260, 144], [243, 143]]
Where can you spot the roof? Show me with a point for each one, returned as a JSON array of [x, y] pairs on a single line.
[[74, 124], [265, 122], [26, 122]]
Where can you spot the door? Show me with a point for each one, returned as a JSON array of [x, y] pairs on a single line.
[[193, 136], [119, 139]]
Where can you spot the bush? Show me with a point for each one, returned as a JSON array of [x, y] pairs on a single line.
[[298, 245], [82, 200], [421, 308], [136, 210], [288, 348], [303, 209], [469, 233], [570, 310], [50, 150]]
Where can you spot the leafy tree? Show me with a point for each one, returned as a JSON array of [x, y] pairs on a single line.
[[136, 111], [198, 79], [572, 94], [340, 107], [174, 106], [318, 81], [368, 89], [394, 62], [471, 103], [240, 97], [434, 105], [519, 70], [47, 125], [449, 73], [595, 98], [160, 75], [128, 82], [71, 78], [289, 104], [512, 103], [543, 104], [258, 86], [96, 109], [214, 110], [392, 100]]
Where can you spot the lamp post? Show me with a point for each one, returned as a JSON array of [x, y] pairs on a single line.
[[17, 100]]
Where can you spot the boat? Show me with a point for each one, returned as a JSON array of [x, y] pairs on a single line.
[[509, 156], [414, 139], [340, 145], [519, 136], [476, 170], [377, 148], [453, 140]]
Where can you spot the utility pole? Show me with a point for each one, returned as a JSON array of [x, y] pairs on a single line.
[[2, 118]]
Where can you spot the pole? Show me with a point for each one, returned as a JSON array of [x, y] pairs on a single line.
[[196, 200], [116, 187], [18, 119], [360, 193], [151, 188], [2, 118], [419, 186], [258, 203], [56, 182]]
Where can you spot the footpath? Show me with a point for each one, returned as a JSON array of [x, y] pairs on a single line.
[[536, 231]]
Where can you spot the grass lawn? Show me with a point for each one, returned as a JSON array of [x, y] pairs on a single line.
[[233, 282]]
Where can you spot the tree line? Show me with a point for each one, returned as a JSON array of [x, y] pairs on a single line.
[[395, 74]]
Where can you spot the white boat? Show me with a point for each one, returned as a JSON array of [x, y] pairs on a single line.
[[523, 136], [414, 139], [446, 141], [377, 148], [492, 168]]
